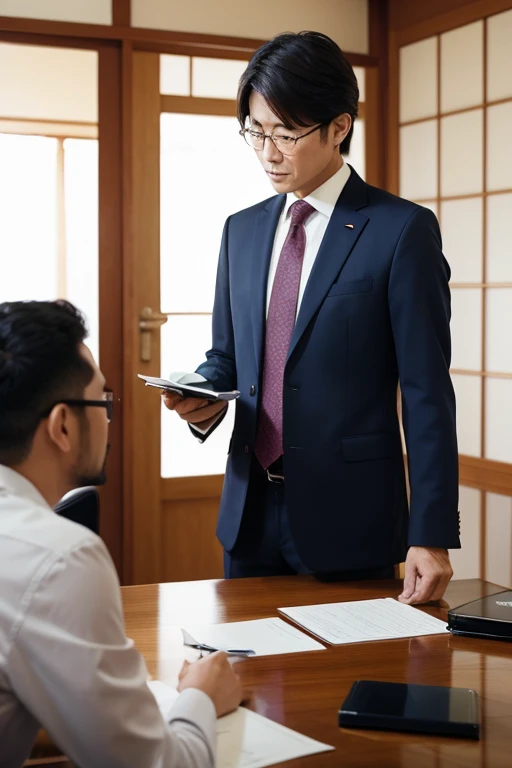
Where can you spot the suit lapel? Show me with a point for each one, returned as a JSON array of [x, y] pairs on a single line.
[[334, 250], [263, 243]]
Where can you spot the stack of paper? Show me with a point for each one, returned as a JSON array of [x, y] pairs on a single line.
[[363, 620], [246, 739]]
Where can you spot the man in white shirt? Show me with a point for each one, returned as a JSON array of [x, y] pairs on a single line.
[[65, 661], [328, 296]]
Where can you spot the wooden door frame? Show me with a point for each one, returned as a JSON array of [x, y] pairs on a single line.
[[110, 258]]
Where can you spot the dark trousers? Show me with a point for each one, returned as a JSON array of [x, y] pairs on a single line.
[[265, 546]]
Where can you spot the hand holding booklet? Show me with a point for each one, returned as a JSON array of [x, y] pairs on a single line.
[[189, 385]]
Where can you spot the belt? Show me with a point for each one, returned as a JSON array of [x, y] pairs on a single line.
[[275, 471]]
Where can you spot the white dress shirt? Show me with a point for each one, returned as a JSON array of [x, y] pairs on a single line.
[[323, 200], [65, 661]]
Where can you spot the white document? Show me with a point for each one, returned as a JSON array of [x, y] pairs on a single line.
[[246, 739], [266, 637], [363, 620]]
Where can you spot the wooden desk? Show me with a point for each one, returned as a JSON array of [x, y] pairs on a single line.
[[304, 691]]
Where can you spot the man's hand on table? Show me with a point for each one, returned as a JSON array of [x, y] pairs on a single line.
[[427, 573]]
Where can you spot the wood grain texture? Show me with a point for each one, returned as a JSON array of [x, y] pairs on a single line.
[[190, 549], [416, 20], [143, 290], [159, 40], [304, 691], [487, 475], [110, 286]]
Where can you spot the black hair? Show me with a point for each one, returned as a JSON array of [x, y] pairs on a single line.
[[305, 79], [40, 364]]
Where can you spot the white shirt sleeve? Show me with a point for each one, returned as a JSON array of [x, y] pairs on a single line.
[[81, 678]]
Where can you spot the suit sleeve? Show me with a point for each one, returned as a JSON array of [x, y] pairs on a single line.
[[220, 365], [419, 303]]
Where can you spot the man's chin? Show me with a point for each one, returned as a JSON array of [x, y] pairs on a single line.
[[98, 479]]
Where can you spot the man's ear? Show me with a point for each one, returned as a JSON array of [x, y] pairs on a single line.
[[60, 427], [341, 125]]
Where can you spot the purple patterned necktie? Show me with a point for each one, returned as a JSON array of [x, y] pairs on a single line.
[[280, 322]]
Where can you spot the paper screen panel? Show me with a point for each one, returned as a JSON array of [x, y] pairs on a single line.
[[418, 169], [81, 11], [498, 568], [462, 238], [498, 342], [418, 64], [462, 70], [466, 561], [466, 328], [499, 146], [499, 238], [216, 78], [499, 56], [174, 75], [462, 153], [498, 419], [468, 392]]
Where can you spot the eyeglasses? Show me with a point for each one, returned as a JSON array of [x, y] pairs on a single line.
[[107, 403], [284, 144]]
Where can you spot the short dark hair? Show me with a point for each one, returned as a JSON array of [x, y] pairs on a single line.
[[305, 79], [40, 364]]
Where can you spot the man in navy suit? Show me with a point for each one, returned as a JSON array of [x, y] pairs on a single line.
[[328, 296]]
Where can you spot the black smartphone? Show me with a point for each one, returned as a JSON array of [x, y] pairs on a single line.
[[407, 707]]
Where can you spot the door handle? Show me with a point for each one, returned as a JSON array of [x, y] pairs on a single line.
[[149, 321]]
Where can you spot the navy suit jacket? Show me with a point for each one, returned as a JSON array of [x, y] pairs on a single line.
[[375, 313]]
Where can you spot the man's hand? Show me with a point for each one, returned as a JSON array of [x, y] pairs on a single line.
[[195, 410], [427, 573], [214, 676]]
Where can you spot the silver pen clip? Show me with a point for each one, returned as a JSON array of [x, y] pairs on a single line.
[[193, 643]]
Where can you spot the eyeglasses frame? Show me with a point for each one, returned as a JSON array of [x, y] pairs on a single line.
[[244, 131]]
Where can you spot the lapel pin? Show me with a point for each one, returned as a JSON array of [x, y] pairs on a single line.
[[350, 226]]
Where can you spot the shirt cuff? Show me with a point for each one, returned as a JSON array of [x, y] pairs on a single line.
[[194, 706], [200, 431], [195, 428]]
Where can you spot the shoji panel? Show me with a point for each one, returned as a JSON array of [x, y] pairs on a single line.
[[462, 67], [468, 392], [466, 561], [462, 238], [499, 56], [418, 170], [498, 543], [418, 64], [82, 11]]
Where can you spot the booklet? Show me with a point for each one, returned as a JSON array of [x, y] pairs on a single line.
[[357, 621], [189, 385]]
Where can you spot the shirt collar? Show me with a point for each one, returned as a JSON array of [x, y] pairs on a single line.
[[19, 486], [324, 198]]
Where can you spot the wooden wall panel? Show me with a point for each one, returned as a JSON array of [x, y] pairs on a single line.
[[190, 549], [142, 289], [412, 21]]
